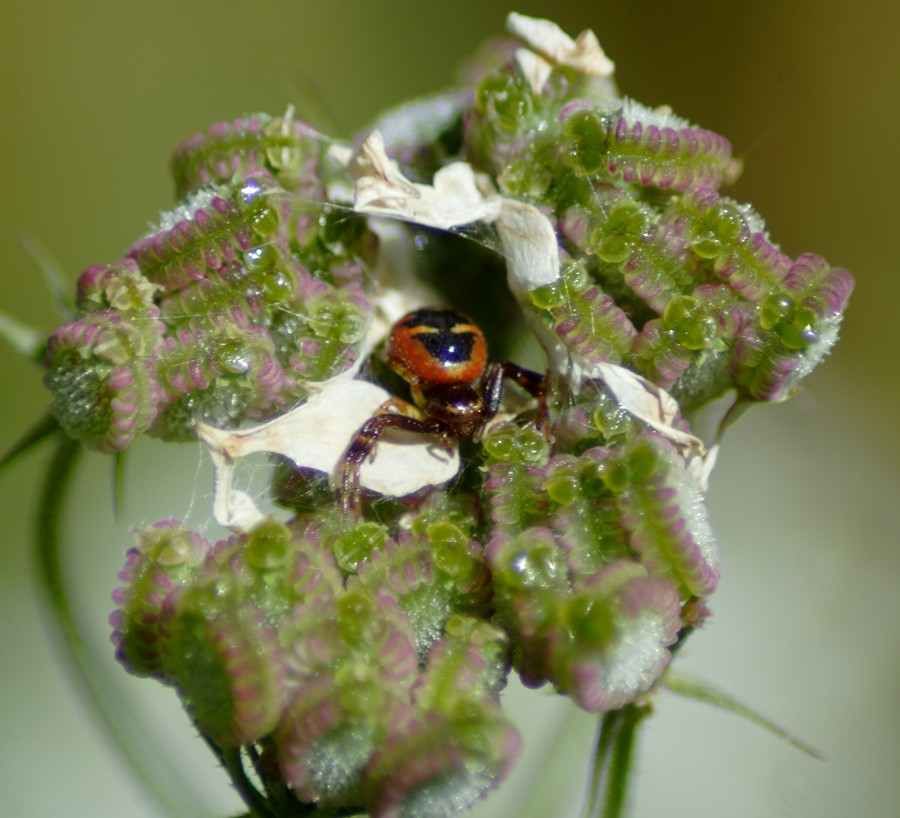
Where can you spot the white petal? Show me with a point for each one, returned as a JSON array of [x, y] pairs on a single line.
[[457, 199], [453, 200], [530, 246], [646, 401], [547, 39], [316, 435], [534, 68]]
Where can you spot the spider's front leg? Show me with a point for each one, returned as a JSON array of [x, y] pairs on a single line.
[[363, 446], [532, 382]]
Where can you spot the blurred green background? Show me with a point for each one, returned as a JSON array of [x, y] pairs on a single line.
[[94, 96]]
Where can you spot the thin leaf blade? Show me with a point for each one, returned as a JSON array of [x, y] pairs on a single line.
[[702, 691]]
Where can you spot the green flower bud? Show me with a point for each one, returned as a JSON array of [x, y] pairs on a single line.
[[225, 663], [357, 544], [585, 145], [506, 100]]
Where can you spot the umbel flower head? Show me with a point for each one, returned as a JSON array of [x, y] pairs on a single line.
[[360, 649]]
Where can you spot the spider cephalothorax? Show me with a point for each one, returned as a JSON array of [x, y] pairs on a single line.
[[442, 354]]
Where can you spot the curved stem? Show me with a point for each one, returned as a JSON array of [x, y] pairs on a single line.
[[45, 428], [162, 780]]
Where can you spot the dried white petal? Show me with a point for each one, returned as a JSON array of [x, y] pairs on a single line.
[[316, 435], [530, 246], [232, 507], [456, 199], [453, 200], [647, 402], [341, 154], [547, 39], [700, 468], [534, 68]]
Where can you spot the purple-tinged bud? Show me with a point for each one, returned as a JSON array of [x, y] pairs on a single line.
[[514, 484], [530, 574], [665, 514], [225, 662], [460, 567], [659, 267], [793, 331], [530, 562], [355, 626], [753, 266], [433, 766], [659, 356], [813, 284], [584, 318], [277, 568], [167, 557], [329, 327], [499, 119], [592, 416], [310, 639], [287, 148], [576, 225], [204, 242], [471, 659], [119, 287], [621, 623], [724, 307], [763, 366], [220, 375], [353, 546], [649, 149], [330, 730], [404, 567], [688, 350], [103, 379], [249, 290], [585, 515], [731, 238]]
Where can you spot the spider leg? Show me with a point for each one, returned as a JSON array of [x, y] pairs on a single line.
[[392, 406], [363, 446], [532, 382]]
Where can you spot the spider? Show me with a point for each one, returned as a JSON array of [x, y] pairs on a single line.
[[443, 357]]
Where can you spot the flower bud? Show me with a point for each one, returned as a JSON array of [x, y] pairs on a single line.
[[225, 662], [166, 557]]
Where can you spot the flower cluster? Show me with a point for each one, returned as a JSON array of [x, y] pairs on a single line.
[[365, 661], [250, 289], [361, 656], [664, 274]]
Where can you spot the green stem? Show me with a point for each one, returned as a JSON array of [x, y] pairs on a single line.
[[162, 780], [266, 765], [612, 761], [231, 760], [606, 731], [557, 773], [46, 427]]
